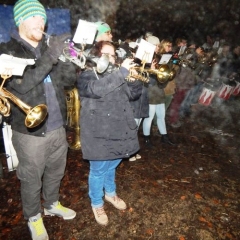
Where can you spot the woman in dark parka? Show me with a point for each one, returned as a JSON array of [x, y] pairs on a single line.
[[108, 129]]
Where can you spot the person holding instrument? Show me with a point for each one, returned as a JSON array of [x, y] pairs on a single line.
[[108, 124], [156, 99], [41, 150]]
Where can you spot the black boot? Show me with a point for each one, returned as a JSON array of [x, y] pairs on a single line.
[[148, 142], [165, 139]]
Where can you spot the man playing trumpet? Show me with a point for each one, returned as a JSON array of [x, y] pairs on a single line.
[[41, 150]]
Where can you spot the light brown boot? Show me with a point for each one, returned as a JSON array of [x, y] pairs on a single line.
[[100, 216], [116, 202]]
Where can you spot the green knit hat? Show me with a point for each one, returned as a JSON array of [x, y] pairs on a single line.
[[24, 9], [102, 27]]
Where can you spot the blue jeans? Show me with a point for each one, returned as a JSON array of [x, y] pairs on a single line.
[[159, 109], [102, 177]]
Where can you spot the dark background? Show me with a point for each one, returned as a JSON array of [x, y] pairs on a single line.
[[193, 19]]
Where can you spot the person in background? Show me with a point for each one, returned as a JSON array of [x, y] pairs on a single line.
[[156, 98], [147, 34], [179, 42], [41, 150], [103, 32], [139, 106], [107, 123], [208, 45], [164, 48], [186, 81]]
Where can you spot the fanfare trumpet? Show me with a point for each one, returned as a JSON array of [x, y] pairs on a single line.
[[80, 56], [35, 115], [163, 72], [71, 53]]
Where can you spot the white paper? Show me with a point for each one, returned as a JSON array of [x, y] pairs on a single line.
[[85, 32], [145, 51], [182, 49], [165, 58], [216, 44], [14, 66], [219, 50], [189, 56]]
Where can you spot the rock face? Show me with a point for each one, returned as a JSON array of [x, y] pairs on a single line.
[[166, 19], [171, 19]]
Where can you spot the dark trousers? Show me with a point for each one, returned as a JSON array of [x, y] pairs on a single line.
[[42, 162], [174, 108], [191, 97]]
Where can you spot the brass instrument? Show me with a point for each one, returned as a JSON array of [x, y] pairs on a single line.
[[163, 72], [186, 59], [80, 56], [35, 115], [212, 57], [207, 58], [187, 63], [73, 116]]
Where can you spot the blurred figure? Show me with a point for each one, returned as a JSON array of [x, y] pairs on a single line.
[[208, 45], [179, 42], [185, 80], [148, 34], [201, 70]]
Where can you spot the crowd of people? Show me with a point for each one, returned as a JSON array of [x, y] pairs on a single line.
[[113, 105]]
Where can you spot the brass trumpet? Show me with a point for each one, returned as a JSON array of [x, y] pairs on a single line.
[[35, 115], [163, 72], [73, 116]]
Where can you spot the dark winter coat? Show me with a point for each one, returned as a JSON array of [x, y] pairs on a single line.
[[156, 92], [185, 79], [108, 129], [30, 87], [141, 105]]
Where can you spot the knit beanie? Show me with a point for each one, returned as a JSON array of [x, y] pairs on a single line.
[[153, 40], [24, 9], [102, 27]]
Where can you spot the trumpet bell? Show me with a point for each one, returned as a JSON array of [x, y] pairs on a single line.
[[36, 115], [102, 63], [164, 73]]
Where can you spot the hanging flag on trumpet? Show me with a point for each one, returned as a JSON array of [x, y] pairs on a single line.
[[145, 51]]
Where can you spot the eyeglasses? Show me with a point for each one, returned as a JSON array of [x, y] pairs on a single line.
[[109, 55]]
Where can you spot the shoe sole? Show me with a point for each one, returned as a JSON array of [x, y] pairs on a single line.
[[47, 213], [102, 224], [115, 206]]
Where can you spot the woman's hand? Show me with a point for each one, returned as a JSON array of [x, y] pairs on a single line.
[[153, 64], [128, 63]]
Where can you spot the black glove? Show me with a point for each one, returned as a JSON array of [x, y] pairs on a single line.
[[56, 44]]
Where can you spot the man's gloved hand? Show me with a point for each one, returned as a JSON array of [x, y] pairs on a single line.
[[56, 44]]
